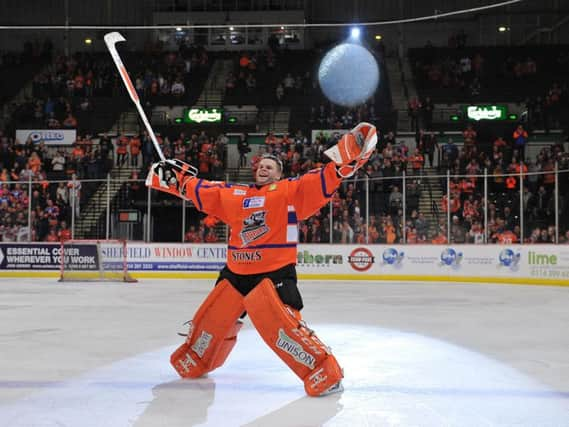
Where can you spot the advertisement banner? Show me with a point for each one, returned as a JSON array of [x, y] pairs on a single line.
[[166, 257], [46, 256], [47, 136], [535, 264], [431, 262]]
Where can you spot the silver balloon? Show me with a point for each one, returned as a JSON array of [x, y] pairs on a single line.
[[348, 74]]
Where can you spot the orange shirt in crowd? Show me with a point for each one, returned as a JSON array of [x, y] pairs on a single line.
[[441, 239], [520, 133], [520, 167], [70, 122], [506, 238], [511, 183], [52, 237], [271, 139], [549, 178], [390, 234], [135, 146], [77, 152], [34, 163], [411, 236], [416, 161], [211, 237], [64, 234], [204, 163], [467, 186], [122, 143], [454, 204]]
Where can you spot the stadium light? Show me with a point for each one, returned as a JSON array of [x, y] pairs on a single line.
[[178, 29], [502, 29], [355, 32], [88, 40], [378, 37]]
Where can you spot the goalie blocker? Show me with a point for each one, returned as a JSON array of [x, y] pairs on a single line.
[[354, 149]]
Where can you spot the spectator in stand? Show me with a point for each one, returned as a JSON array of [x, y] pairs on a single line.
[[451, 150], [428, 147], [70, 121], [469, 135], [122, 144], [74, 186], [135, 144], [520, 137], [454, 203], [216, 167], [271, 139], [210, 236], [192, 235], [427, 108], [417, 160], [279, 93], [64, 232], [475, 234], [52, 235], [178, 89], [58, 163], [457, 231], [34, 163], [413, 109], [51, 213], [244, 149], [62, 194], [441, 237], [105, 146]]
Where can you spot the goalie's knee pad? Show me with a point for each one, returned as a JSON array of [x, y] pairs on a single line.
[[283, 330], [213, 333]]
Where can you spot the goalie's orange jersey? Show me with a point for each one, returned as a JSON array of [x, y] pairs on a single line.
[[263, 220]]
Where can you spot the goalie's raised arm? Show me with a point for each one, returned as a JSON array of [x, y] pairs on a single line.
[[354, 149], [171, 176]]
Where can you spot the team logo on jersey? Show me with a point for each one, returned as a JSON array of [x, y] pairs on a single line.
[[290, 346], [272, 187], [239, 192], [253, 202], [254, 227]]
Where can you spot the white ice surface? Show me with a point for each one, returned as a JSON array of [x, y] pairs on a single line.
[[413, 355]]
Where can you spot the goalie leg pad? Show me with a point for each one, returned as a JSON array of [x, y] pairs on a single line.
[[213, 332], [282, 329]]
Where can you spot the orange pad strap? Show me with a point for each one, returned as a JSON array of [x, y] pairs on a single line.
[[288, 336], [213, 332]]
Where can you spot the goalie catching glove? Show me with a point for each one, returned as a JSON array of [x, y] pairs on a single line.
[[354, 149], [170, 176]]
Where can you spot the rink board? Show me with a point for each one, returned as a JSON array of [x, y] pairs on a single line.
[[513, 264]]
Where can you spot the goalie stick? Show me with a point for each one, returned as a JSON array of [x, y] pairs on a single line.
[[110, 40]]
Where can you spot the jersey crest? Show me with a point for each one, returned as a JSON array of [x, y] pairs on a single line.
[[254, 227]]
